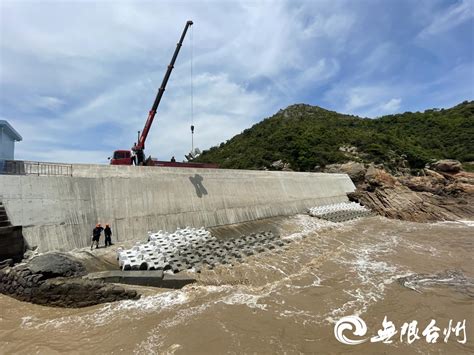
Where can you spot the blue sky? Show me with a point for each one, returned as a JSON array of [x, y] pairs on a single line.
[[77, 78]]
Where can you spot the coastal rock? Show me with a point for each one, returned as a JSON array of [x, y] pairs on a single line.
[[30, 253], [348, 149], [447, 166], [280, 165], [287, 167], [6, 263], [56, 265], [379, 177], [432, 197], [356, 171], [424, 183], [79, 293], [53, 279], [433, 174], [333, 168]]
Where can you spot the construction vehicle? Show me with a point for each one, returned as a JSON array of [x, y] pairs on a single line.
[[137, 153]]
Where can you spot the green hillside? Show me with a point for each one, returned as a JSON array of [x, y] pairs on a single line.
[[308, 136]]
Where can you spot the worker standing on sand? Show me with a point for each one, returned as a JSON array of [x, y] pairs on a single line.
[[96, 232], [108, 235]]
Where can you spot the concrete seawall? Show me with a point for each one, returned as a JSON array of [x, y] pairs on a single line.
[[59, 212]]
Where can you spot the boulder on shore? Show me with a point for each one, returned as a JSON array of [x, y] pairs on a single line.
[[356, 171], [447, 166], [54, 279], [56, 265]]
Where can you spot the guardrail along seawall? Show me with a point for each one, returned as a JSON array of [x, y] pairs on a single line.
[[58, 212]]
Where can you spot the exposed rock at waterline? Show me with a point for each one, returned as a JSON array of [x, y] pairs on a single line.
[[53, 279], [432, 197]]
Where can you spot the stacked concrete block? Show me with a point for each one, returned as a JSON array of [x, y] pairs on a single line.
[[340, 212], [161, 250], [193, 249]]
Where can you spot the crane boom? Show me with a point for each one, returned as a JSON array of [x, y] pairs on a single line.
[[161, 90]]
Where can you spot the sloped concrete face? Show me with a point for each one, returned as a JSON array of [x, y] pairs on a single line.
[[59, 212]]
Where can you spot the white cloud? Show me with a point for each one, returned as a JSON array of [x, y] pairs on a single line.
[[320, 72], [333, 26], [64, 155], [382, 58], [48, 102], [445, 20], [366, 101], [222, 109], [391, 106]]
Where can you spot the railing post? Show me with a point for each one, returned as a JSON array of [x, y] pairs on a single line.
[[20, 167]]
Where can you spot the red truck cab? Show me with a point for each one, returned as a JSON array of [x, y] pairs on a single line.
[[121, 157]]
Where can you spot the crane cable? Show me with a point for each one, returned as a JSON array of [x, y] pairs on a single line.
[[192, 91]]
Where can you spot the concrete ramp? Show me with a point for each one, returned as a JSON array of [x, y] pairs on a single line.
[[59, 212], [142, 278]]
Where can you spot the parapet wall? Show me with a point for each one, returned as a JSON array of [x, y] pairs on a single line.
[[59, 212]]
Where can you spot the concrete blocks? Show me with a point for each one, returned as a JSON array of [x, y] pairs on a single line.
[[340, 212], [239, 242], [228, 245], [192, 259], [143, 266], [193, 249], [213, 245], [236, 253]]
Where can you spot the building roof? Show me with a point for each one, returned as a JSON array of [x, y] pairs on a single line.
[[8, 129]]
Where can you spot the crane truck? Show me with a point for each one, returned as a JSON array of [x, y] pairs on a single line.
[[137, 153]]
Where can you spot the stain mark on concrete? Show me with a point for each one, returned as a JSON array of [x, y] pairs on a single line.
[[196, 180]]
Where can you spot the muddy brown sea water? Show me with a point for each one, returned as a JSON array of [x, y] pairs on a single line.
[[284, 301]]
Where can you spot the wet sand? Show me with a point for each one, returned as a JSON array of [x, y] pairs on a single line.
[[284, 301]]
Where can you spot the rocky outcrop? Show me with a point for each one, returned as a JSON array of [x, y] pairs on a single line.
[[54, 279], [280, 165], [356, 171], [444, 192], [431, 197], [56, 265], [447, 165]]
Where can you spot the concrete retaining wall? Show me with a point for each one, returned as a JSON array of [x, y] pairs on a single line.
[[59, 212]]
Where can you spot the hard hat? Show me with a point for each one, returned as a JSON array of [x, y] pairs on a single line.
[[97, 225]]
